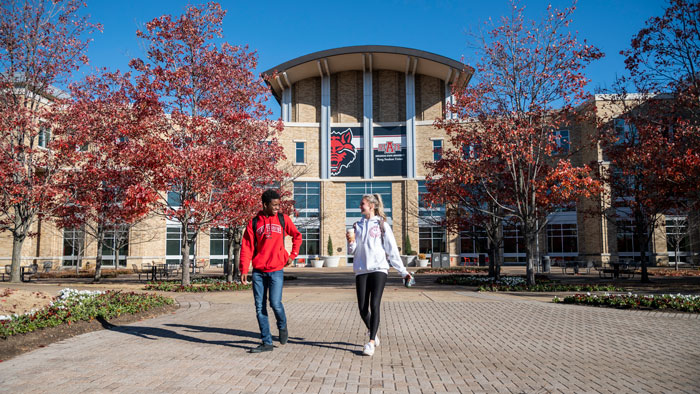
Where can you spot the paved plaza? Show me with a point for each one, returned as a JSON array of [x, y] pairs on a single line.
[[433, 339]]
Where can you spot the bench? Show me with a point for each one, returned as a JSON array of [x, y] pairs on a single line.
[[141, 271]]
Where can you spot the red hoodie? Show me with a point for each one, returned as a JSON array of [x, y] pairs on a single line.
[[271, 255]]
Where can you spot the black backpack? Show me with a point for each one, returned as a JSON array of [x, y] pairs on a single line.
[[280, 217]]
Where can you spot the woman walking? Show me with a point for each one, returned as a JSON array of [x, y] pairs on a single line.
[[372, 243]]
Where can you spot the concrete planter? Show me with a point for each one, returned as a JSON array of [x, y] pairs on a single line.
[[331, 261], [408, 260], [423, 262], [316, 263]]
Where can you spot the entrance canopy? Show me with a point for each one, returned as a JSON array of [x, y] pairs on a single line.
[[367, 58]]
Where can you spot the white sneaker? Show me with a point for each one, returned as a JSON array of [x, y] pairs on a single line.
[[369, 349], [376, 339]]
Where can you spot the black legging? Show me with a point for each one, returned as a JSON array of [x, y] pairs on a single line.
[[369, 296]]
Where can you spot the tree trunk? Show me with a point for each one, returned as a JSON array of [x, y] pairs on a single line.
[[98, 256], [116, 256], [237, 238], [17, 242], [531, 245], [228, 265], [185, 252], [495, 236], [640, 229], [678, 250]]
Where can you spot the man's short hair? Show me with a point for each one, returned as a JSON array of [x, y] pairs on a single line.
[[269, 195]]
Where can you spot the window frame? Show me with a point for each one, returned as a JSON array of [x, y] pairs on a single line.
[[437, 150], [296, 152]]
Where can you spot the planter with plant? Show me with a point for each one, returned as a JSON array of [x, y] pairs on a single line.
[[330, 260], [408, 258], [422, 261]]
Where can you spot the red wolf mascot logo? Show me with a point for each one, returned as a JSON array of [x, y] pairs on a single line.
[[343, 152]]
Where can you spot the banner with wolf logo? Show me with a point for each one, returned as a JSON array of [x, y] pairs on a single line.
[[389, 148], [347, 155]]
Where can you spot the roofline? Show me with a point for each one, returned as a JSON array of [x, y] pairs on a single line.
[[368, 49], [362, 49]]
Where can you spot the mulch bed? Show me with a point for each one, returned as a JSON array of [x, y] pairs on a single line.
[[22, 343]]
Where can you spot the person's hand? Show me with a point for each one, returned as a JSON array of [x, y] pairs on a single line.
[[407, 276], [244, 279], [289, 262]]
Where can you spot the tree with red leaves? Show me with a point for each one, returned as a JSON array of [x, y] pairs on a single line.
[[529, 81], [652, 141], [102, 132], [214, 112], [41, 43]]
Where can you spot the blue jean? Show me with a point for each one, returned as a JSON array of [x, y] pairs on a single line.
[[264, 282]]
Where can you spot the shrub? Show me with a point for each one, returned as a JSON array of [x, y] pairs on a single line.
[[407, 245], [329, 247]]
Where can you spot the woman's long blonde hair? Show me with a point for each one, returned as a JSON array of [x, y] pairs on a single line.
[[376, 200]]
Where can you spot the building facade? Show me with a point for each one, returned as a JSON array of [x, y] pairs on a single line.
[[360, 120]]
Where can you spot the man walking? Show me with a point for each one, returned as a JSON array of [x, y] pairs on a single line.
[[263, 242]]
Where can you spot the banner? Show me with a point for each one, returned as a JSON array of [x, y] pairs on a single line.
[[347, 155], [389, 149]]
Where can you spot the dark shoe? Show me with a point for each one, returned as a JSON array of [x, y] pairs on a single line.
[[262, 348], [284, 336]]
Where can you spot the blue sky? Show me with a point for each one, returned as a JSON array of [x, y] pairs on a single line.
[[283, 30]]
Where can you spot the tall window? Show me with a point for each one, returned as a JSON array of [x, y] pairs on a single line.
[[423, 208], [473, 242], [562, 239], [307, 198], [173, 243], [625, 132], [174, 199], [432, 239], [563, 141], [115, 238], [307, 201], [299, 152], [513, 244], [310, 244], [437, 150], [355, 190], [44, 137], [218, 246], [627, 244], [73, 246], [677, 236]]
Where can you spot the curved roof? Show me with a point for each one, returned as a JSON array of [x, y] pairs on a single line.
[[366, 57]]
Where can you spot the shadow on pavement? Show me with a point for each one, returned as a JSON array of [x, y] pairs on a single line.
[[153, 333]]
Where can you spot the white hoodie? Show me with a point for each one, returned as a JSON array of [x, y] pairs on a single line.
[[369, 253]]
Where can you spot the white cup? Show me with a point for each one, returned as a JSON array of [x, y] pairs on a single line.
[[351, 234]]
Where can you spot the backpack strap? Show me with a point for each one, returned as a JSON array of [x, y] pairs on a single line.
[[280, 217], [255, 235]]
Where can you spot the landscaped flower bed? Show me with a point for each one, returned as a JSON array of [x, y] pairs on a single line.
[[72, 305], [678, 302], [452, 270], [672, 272], [517, 283], [198, 285]]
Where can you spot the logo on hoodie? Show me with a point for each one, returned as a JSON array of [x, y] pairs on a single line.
[[375, 232], [269, 228], [343, 152]]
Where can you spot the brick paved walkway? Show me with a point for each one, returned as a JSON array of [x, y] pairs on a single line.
[[438, 341]]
